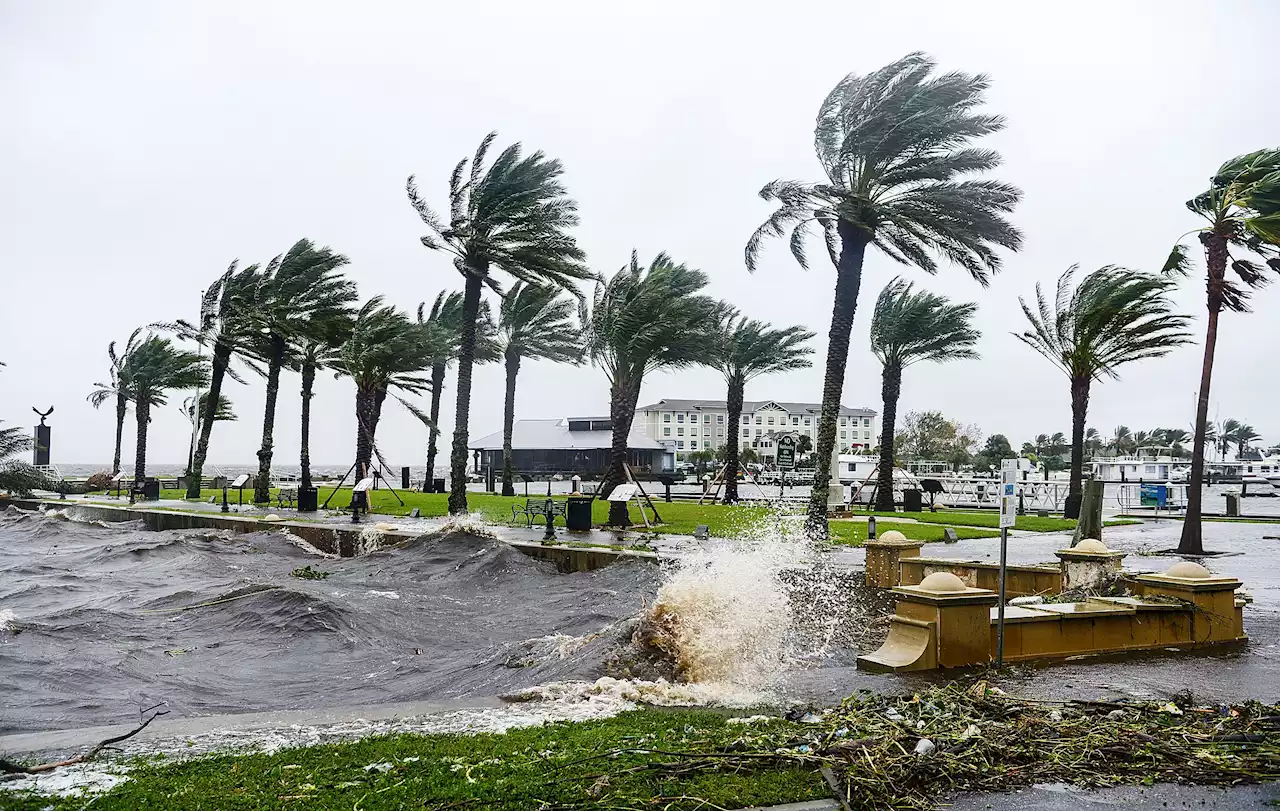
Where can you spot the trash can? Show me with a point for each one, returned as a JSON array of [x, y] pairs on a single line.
[[308, 499], [578, 513], [912, 501], [437, 486], [151, 490]]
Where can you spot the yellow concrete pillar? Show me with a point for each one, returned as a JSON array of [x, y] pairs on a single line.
[[1088, 565], [1217, 616], [883, 555], [939, 623]]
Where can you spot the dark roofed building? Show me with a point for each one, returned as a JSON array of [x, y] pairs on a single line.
[[568, 445]]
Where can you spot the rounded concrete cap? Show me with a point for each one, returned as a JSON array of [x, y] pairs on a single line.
[[1090, 545], [1188, 571], [383, 526], [942, 581], [270, 517], [892, 536]]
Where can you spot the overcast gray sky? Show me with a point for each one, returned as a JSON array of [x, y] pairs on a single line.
[[147, 144]]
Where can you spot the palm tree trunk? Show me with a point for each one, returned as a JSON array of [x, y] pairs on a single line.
[[890, 391], [623, 396], [221, 359], [462, 415], [364, 432], [853, 246], [1079, 413], [262, 487], [437, 388], [122, 403], [1192, 542], [733, 404], [508, 421], [304, 458], [143, 408]]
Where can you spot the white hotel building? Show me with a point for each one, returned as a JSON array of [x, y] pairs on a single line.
[[684, 426]]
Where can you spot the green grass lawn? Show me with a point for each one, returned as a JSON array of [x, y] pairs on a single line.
[[557, 765], [1030, 523], [679, 517]]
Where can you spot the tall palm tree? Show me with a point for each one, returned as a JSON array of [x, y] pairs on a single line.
[[16, 476], [1228, 432], [386, 350], [535, 322], [1093, 442], [115, 390], [1245, 436], [641, 320], [445, 317], [908, 327], [895, 148], [746, 350], [224, 327], [317, 349], [1113, 317], [513, 216], [302, 286], [155, 367], [1242, 207]]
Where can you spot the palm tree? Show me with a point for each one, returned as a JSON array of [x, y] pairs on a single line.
[[1245, 436], [1115, 316], [1228, 432], [318, 349], [641, 320], [115, 390], [1242, 207], [906, 328], [1093, 442], [513, 216], [16, 476], [1122, 440], [894, 146], [446, 318], [386, 350], [535, 322], [297, 289], [223, 326], [746, 350], [152, 369]]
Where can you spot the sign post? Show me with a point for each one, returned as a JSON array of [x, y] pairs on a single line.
[[786, 461], [1008, 516]]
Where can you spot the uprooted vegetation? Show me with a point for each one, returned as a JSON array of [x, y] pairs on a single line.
[[872, 752]]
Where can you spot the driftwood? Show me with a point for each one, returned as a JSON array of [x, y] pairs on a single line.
[[10, 768]]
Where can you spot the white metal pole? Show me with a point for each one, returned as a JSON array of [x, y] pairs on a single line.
[[1004, 562]]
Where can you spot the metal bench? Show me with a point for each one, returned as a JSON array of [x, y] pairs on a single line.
[[536, 507], [287, 495]]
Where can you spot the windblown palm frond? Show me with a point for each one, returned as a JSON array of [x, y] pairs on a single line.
[[223, 412], [385, 350], [16, 476], [907, 327], [894, 146], [156, 366], [1113, 317], [749, 348], [445, 317], [535, 321], [512, 216], [643, 319]]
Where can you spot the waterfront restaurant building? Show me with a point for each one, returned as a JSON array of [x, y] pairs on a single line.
[[570, 445]]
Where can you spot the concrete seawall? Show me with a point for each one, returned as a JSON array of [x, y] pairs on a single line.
[[344, 541]]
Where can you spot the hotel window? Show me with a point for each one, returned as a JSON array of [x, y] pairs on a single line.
[[706, 418], [795, 420], [808, 420], [771, 420], [758, 421], [693, 418], [866, 422], [679, 432], [666, 417], [759, 432], [680, 444], [666, 431], [719, 419], [843, 422], [842, 435], [693, 445], [746, 432], [679, 418], [746, 420]]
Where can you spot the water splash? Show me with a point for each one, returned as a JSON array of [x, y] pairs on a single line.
[[473, 524]]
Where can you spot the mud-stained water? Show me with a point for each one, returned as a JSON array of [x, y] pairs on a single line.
[[97, 620]]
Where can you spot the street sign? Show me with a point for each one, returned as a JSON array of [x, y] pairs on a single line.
[[786, 453], [1008, 492], [363, 485], [241, 480]]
